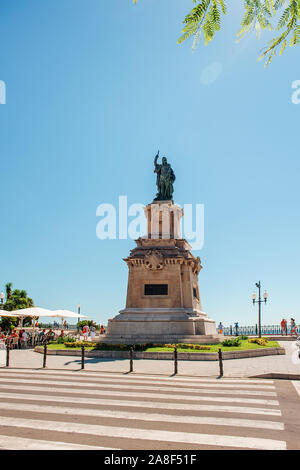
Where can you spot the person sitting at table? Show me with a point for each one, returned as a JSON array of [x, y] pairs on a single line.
[[10, 338], [50, 335]]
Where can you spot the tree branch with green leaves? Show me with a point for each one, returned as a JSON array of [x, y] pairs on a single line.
[[283, 16]]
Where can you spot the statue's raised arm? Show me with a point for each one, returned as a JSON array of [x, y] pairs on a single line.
[[155, 159]]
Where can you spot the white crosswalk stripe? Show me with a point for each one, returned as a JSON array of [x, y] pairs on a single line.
[[115, 377], [19, 443], [49, 409], [74, 389], [90, 384], [146, 404], [297, 386]]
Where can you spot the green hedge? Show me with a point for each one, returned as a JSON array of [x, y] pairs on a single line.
[[136, 347], [65, 339]]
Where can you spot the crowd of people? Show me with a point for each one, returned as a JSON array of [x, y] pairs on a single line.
[[90, 331], [19, 337], [284, 327]]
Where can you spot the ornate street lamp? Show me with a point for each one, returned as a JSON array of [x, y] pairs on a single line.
[[259, 302]]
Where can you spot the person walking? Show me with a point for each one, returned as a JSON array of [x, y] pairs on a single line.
[[24, 339], [220, 328], [93, 332], [85, 331], [236, 326], [283, 325], [293, 327]]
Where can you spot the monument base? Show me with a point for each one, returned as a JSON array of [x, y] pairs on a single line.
[[161, 325]]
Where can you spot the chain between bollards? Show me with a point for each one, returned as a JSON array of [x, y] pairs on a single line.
[[175, 362], [131, 360], [82, 357], [45, 355], [221, 362]]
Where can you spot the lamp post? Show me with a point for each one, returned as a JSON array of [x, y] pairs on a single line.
[[78, 315], [259, 302]]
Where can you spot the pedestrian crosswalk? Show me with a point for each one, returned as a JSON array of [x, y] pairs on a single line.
[[87, 410]]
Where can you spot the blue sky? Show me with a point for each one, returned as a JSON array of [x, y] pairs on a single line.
[[94, 88]]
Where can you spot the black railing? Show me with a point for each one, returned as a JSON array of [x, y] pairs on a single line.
[[253, 330]]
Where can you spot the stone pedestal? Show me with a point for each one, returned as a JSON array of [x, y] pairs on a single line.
[[163, 300]]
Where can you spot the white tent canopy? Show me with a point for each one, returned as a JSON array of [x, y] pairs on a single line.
[[36, 312], [26, 312], [7, 314], [65, 314], [33, 312]]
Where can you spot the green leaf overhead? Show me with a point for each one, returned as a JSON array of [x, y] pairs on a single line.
[[283, 16]]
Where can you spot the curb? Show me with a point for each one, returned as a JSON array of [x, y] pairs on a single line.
[[275, 375], [167, 355]]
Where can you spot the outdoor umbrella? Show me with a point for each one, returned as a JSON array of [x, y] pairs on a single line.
[[63, 314], [33, 312]]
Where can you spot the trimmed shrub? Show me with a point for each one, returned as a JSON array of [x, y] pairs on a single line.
[[65, 339], [78, 344], [197, 347], [231, 342], [259, 341], [136, 347]]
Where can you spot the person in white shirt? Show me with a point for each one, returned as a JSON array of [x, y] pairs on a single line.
[[85, 331], [24, 339], [93, 332]]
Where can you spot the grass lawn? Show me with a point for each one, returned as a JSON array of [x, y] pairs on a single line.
[[62, 346], [213, 347]]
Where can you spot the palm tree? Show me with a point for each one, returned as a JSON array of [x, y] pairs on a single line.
[[8, 289]]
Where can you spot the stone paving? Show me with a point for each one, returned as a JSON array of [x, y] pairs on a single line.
[[285, 364]]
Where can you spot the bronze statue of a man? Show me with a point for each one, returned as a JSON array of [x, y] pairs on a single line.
[[165, 179]]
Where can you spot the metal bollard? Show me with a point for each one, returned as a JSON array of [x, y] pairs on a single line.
[[82, 357], [175, 361], [45, 355], [7, 353], [131, 360], [221, 362]]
